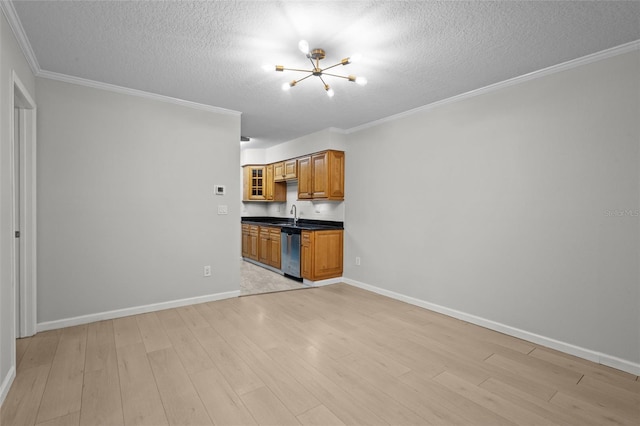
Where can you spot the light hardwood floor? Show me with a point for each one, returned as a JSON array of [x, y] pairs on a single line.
[[324, 356]]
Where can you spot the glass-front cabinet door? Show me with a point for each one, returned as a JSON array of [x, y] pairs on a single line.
[[254, 183]]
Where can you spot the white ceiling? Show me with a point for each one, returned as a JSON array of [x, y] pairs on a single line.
[[413, 52]]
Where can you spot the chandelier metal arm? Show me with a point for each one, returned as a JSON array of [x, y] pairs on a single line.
[[332, 66], [304, 78], [336, 75], [296, 69]]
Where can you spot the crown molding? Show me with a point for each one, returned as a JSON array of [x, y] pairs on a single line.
[[594, 57], [23, 42], [16, 26], [133, 92], [21, 37]]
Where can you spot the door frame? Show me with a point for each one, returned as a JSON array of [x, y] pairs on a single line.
[[25, 291]]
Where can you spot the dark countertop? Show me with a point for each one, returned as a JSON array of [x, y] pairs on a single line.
[[306, 224]]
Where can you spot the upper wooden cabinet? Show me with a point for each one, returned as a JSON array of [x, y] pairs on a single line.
[[304, 178], [275, 191], [285, 170], [259, 185], [254, 183], [321, 176]]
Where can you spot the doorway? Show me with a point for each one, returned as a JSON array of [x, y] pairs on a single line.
[[23, 154], [16, 211]]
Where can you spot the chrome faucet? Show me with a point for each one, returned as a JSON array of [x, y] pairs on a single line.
[[294, 212]]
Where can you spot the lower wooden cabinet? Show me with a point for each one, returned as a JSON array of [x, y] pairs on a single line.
[[262, 244], [263, 248], [250, 234], [269, 246], [246, 231], [321, 254], [320, 251], [275, 252]]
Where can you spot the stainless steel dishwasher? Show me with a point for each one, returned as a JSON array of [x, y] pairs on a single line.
[[290, 246]]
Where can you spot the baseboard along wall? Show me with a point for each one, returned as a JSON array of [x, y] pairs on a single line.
[[580, 352], [119, 313]]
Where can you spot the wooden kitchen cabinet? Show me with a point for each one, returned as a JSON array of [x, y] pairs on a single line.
[[250, 237], [254, 183], [321, 254], [263, 248], [275, 191], [304, 178], [258, 184], [285, 170], [269, 249], [246, 240], [321, 176], [274, 256], [261, 243], [306, 255]]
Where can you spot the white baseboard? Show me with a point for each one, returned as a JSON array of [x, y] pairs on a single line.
[[588, 354], [119, 313], [6, 384], [322, 282]]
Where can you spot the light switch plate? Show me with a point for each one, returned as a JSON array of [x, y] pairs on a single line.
[[222, 209]]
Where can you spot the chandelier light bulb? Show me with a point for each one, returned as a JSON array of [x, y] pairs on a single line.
[[356, 57], [267, 67], [303, 46], [362, 81], [286, 87], [330, 91]]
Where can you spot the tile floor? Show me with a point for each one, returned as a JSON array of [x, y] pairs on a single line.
[[257, 280]]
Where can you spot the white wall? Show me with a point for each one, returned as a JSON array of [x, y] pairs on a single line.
[[11, 59], [252, 156], [315, 210], [331, 138], [308, 144], [519, 206], [127, 216]]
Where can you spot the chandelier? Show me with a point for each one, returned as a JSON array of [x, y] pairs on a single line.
[[315, 56]]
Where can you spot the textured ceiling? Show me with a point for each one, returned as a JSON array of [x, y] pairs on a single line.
[[413, 52]]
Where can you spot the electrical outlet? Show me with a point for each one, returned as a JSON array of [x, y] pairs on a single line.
[[357, 260], [207, 271], [222, 209]]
